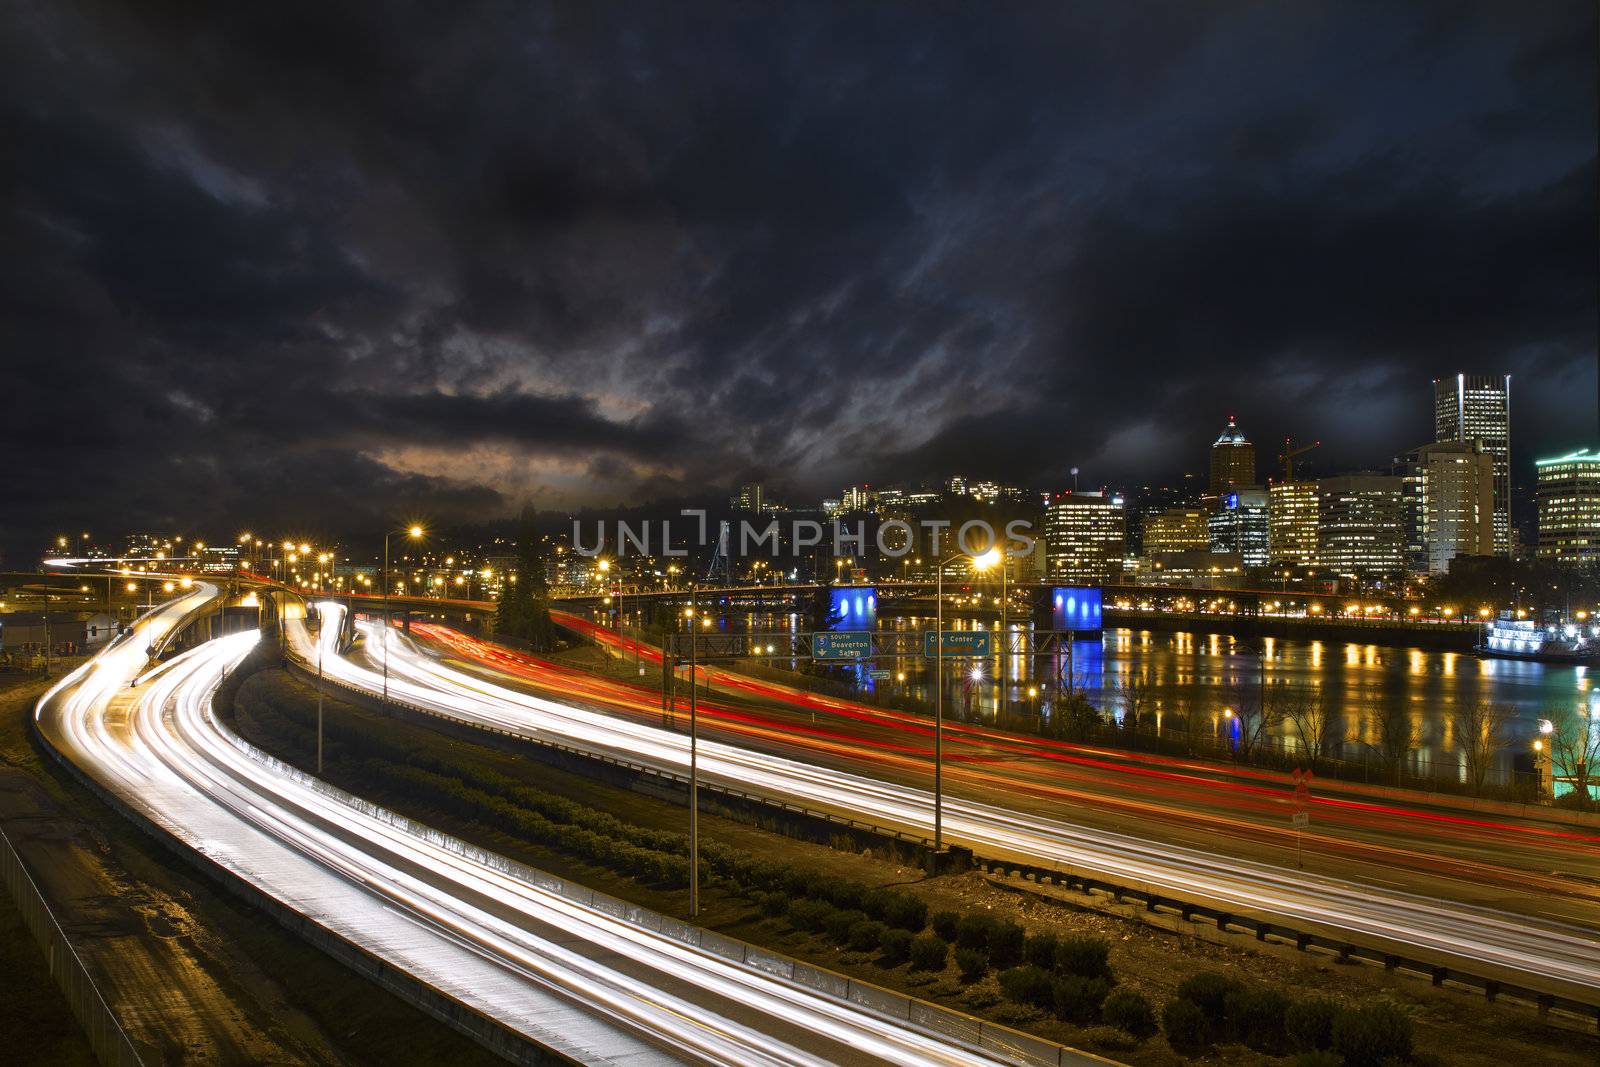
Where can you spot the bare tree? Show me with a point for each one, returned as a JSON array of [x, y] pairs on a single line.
[[1136, 699], [1313, 723], [1575, 747], [1257, 714], [1480, 729], [1396, 734]]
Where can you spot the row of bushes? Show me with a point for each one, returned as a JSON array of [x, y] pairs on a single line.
[[1211, 1007]]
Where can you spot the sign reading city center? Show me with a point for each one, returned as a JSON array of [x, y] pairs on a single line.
[[841, 644], [957, 643]]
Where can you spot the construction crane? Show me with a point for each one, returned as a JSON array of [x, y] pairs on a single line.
[[1288, 454]]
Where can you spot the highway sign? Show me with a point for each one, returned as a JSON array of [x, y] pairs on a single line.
[[1300, 820], [879, 674], [957, 643], [841, 644]]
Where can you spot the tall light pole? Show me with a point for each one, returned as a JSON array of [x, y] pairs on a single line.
[[694, 762], [415, 533], [321, 621], [979, 563]]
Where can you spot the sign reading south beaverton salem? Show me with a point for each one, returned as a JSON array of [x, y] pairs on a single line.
[[842, 644], [957, 643]]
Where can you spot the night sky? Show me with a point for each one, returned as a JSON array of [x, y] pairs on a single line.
[[312, 267]]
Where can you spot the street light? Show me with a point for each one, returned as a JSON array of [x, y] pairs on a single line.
[[980, 562], [414, 532]]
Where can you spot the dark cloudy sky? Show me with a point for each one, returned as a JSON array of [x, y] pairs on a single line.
[[314, 265]]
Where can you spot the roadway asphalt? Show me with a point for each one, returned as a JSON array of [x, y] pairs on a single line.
[[589, 984], [1522, 865]]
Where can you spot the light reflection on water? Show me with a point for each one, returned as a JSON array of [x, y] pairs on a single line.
[[1209, 672]]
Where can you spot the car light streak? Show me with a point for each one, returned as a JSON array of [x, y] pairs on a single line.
[[588, 983], [1535, 952]]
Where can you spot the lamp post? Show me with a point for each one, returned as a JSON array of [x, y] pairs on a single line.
[[415, 533], [694, 761], [980, 563]]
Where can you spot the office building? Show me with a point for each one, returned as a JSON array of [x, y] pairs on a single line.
[[1568, 494], [1449, 504], [1084, 538], [1233, 460], [1292, 523], [749, 498], [1361, 528], [1240, 524], [1477, 407], [1175, 530]]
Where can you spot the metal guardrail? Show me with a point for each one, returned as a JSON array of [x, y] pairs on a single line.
[[1014, 1045], [110, 1042], [1492, 985]]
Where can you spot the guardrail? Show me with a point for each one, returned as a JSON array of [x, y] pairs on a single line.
[[1487, 980], [1019, 1047], [109, 1041]]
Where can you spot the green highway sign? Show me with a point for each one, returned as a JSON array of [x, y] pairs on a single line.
[[841, 644], [879, 674], [957, 643]]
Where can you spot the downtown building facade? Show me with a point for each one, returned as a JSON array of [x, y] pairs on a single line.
[[1292, 521], [1567, 491], [1240, 525], [1361, 525], [1085, 538], [1449, 504], [1477, 407], [1233, 460]]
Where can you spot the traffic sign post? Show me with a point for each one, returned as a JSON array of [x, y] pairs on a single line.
[[1301, 819], [956, 644], [841, 644]]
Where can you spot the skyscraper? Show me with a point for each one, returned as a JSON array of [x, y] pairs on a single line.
[[1449, 495], [1292, 523], [1477, 407], [1083, 535], [1361, 525], [1239, 524], [1233, 460], [1569, 507]]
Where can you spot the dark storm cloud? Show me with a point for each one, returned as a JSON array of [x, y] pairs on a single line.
[[324, 265]]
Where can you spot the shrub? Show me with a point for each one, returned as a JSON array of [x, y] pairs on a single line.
[[1084, 955], [1129, 1010], [807, 914], [1186, 1025], [875, 902], [974, 963], [1256, 1017], [907, 912], [895, 946], [973, 931], [1308, 1024], [1367, 1036], [866, 935], [773, 904], [1107, 1039], [837, 926], [1040, 950], [944, 924], [1319, 1058], [1006, 939], [1028, 985], [1078, 999], [842, 893], [929, 952], [1209, 991]]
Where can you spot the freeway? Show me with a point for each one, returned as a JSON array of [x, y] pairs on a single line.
[[1560, 959], [588, 984], [1520, 863]]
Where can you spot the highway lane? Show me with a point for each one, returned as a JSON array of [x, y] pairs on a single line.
[[1560, 958], [586, 983], [1533, 867]]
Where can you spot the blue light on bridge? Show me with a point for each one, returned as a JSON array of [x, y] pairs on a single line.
[[1076, 608]]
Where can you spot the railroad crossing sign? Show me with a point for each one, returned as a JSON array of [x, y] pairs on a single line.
[[1301, 819], [1302, 787], [841, 644], [956, 643]]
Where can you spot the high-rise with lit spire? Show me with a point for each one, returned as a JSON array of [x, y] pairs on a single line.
[[1477, 407], [1233, 460]]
